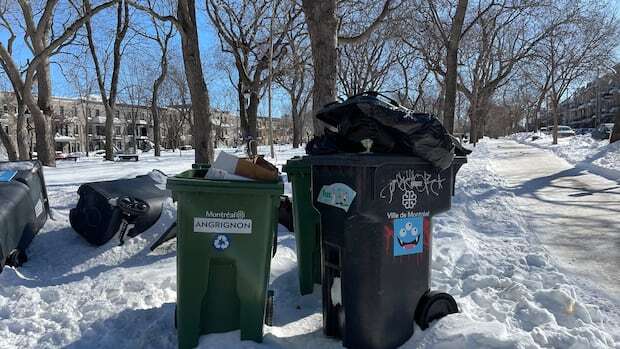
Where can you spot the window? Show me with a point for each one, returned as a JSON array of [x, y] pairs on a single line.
[[88, 112], [143, 131], [97, 113], [6, 108], [118, 114], [100, 130], [62, 110], [76, 130], [117, 130], [6, 129]]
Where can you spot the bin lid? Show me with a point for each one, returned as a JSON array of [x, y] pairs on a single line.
[[299, 164], [190, 181], [373, 160]]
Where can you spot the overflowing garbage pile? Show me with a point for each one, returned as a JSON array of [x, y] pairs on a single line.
[[375, 123]]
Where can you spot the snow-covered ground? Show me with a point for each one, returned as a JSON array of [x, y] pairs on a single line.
[[595, 155], [510, 292]]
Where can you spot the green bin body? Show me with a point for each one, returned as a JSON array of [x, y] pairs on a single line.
[[224, 244], [306, 222]]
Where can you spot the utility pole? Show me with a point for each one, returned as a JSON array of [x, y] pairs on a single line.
[[273, 13]]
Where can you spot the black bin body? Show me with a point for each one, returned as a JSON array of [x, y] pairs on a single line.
[[24, 206], [376, 215], [97, 220]]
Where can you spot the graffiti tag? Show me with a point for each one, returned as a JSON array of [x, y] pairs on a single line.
[[408, 182]]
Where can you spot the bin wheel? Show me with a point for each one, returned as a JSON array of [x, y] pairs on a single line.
[[433, 306], [17, 258], [269, 308]]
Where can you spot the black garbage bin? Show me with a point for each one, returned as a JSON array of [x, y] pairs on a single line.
[[123, 207], [24, 208], [376, 213]]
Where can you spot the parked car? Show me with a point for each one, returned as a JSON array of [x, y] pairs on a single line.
[[603, 131], [583, 131], [186, 147], [563, 131]]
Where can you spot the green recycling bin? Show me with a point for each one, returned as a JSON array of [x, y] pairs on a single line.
[[224, 244], [306, 223]]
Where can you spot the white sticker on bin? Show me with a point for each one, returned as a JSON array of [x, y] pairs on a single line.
[[222, 225]]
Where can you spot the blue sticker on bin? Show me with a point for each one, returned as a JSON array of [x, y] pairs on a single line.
[[408, 236]]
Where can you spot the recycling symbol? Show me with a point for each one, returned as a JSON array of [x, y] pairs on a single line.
[[409, 199], [221, 242]]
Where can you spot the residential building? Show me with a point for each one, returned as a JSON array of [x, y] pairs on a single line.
[[596, 103]]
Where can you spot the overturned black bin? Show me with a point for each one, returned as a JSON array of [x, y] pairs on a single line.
[[376, 212], [24, 209], [123, 207]]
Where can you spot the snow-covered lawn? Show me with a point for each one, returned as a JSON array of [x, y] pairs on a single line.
[[597, 156], [510, 293]]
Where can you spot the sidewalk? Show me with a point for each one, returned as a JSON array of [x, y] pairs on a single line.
[[575, 214]]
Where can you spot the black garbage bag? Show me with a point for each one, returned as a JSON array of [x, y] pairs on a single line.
[[330, 143], [391, 127]]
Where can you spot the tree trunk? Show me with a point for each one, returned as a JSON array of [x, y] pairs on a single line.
[[109, 132], [8, 145], [554, 110], [449, 104], [43, 135], [186, 10], [252, 120], [295, 115], [22, 131], [323, 28], [156, 85], [615, 133]]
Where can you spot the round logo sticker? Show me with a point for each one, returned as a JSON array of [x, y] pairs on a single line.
[[221, 242]]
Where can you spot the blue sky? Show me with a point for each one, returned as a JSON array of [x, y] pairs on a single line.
[[221, 90]]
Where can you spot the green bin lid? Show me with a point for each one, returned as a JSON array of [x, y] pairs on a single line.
[[189, 181], [298, 164]]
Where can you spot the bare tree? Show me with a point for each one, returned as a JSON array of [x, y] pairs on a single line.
[[176, 96], [365, 66], [244, 32], [574, 49], [109, 100], [164, 31], [186, 24], [43, 43], [295, 77], [323, 25]]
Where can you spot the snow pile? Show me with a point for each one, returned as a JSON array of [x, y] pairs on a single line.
[[596, 155], [509, 292], [71, 294]]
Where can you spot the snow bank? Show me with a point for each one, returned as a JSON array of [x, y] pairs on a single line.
[[598, 156], [74, 295]]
